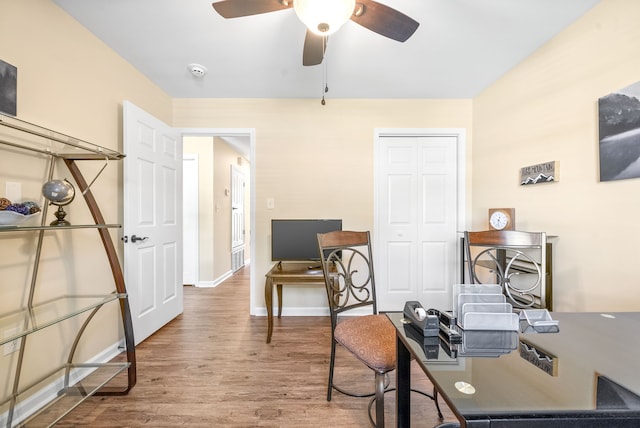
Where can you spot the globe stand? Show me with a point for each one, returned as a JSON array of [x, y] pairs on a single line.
[[60, 215], [59, 193]]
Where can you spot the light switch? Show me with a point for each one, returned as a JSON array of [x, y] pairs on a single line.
[[271, 203]]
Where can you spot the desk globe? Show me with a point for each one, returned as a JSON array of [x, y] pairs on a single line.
[[59, 193]]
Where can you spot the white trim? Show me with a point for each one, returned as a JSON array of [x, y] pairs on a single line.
[[288, 311], [321, 311], [222, 278], [216, 282], [205, 284]]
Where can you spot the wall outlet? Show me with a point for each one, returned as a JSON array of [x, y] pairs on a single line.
[[14, 345]]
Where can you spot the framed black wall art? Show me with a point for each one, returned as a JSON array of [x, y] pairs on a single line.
[[8, 88], [619, 134]]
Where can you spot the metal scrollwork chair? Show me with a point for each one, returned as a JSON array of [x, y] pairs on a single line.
[[347, 265], [514, 259]]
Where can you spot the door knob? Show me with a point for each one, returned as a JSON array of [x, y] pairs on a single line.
[[135, 238]]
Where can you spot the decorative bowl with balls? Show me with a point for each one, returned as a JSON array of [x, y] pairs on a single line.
[[13, 214]]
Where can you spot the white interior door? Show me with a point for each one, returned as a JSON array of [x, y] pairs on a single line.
[[190, 241], [237, 218], [417, 216], [152, 220]]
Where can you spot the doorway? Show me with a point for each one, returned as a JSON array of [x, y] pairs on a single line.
[[219, 153]]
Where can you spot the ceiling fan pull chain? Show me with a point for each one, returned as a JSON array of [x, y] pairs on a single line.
[[323, 102], [325, 84]]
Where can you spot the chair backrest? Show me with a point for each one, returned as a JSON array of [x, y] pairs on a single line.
[[514, 259], [347, 265]]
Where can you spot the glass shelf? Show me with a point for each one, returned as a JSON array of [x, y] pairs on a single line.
[[46, 400], [18, 228], [24, 135], [29, 320], [86, 380]]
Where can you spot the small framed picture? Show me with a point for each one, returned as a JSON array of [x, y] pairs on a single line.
[[8, 88], [546, 172]]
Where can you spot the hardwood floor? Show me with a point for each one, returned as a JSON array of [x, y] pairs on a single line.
[[211, 367]]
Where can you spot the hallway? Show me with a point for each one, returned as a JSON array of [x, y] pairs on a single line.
[[211, 367]]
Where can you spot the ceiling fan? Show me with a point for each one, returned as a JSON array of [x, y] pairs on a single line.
[[321, 22]]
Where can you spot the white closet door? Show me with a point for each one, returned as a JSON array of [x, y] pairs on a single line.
[[417, 217]]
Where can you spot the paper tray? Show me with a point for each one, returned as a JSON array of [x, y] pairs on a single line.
[[490, 321], [503, 341], [489, 308], [538, 321], [465, 298], [459, 289]]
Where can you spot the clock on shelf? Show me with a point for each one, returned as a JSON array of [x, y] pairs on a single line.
[[502, 218]]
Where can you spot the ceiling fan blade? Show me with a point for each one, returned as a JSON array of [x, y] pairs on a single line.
[[238, 8], [314, 47], [384, 20]]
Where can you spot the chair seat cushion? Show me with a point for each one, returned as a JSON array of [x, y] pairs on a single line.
[[371, 338]]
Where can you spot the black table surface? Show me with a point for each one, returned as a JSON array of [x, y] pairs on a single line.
[[591, 365]]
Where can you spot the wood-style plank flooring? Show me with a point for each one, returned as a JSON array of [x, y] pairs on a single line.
[[211, 367]]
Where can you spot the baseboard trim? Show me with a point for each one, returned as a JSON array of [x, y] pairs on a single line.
[[214, 283], [309, 312]]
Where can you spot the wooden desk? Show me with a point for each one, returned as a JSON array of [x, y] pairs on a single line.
[[287, 273]]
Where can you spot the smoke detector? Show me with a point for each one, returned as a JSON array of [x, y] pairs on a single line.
[[197, 70]]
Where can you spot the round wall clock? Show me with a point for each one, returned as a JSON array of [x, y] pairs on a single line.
[[502, 219]]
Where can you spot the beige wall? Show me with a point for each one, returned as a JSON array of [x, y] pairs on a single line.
[[546, 109], [315, 161]]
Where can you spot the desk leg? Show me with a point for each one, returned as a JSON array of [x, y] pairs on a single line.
[[403, 385], [279, 288], [268, 299]]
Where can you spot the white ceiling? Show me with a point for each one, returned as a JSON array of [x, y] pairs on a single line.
[[460, 48]]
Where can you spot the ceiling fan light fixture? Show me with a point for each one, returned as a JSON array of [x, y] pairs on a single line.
[[324, 17]]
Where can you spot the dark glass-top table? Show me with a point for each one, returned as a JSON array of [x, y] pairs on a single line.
[[586, 375]]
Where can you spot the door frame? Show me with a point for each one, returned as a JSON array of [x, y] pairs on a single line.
[[239, 132], [461, 161]]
